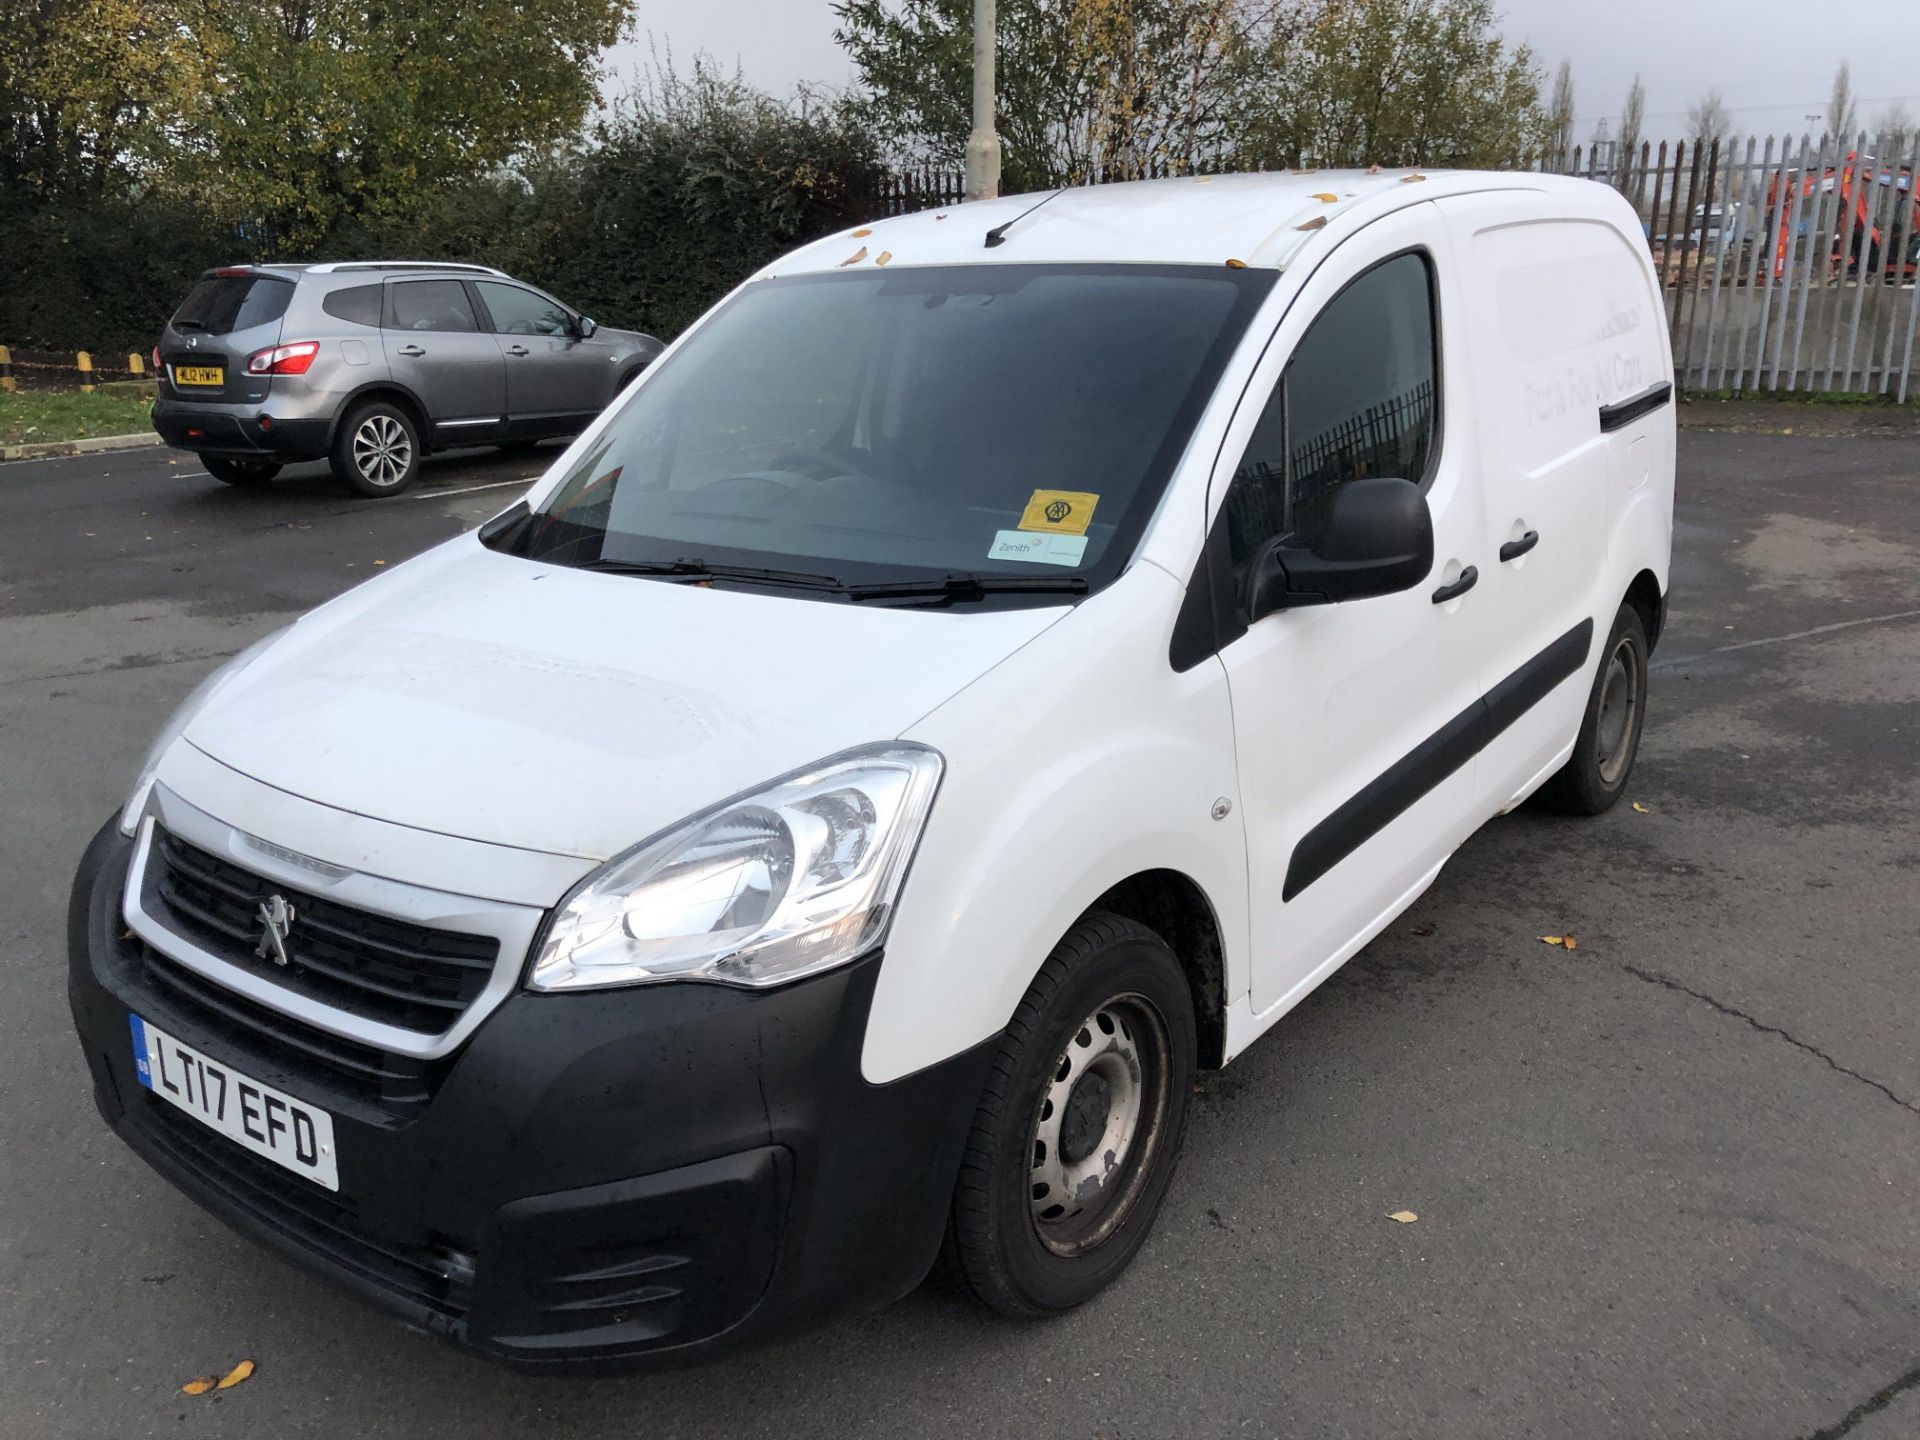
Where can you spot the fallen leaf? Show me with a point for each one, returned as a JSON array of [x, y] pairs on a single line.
[[1373, 169], [883, 257], [1571, 943], [862, 231], [200, 1386], [1641, 808], [1553, 939], [379, 562], [1316, 223], [1424, 930], [855, 258], [1326, 196], [234, 1376], [1236, 264], [1410, 179], [1404, 1217]]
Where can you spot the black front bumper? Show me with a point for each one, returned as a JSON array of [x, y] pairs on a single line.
[[613, 1179], [236, 432]]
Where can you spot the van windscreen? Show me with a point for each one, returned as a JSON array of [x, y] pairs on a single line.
[[221, 304], [1013, 422]]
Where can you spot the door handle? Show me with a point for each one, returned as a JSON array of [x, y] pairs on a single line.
[[1514, 549], [1453, 591], [411, 350], [518, 350]]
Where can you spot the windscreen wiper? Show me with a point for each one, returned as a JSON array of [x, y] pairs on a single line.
[[692, 569], [969, 587]]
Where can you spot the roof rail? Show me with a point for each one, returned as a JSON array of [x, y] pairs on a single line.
[[332, 266]]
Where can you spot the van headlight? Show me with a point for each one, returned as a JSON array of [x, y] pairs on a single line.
[[177, 723], [783, 882]]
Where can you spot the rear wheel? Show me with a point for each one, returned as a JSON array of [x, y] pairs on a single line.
[[240, 472], [1596, 774], [1080, 1125], [377, 450]]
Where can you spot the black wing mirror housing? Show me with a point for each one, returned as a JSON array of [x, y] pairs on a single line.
[[1379, 541]]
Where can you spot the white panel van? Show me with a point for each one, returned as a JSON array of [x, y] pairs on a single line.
[[990, 668]]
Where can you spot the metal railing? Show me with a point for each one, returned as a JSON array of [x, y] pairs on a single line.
[[1788, 264]]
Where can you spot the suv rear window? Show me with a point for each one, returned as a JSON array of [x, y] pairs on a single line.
[[359, 305], [221, 304]]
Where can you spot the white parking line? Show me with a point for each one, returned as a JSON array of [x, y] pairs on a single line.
[[473, 489], [1780, 639]]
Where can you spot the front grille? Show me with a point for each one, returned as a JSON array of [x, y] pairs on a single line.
[[391, 971], [379, 1085], [434, 1277]]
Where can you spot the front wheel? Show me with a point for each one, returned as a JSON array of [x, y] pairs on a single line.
[[1595, 775], [377, 450], [240, 472], [1080, 1125]]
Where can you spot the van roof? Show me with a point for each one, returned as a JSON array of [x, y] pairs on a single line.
[[1259, 220]]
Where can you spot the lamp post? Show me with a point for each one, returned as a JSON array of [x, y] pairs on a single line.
[[983, 145]]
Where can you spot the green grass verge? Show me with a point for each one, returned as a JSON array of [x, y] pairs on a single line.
[[31, 416]]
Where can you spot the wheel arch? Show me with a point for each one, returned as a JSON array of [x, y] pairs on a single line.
[[1650, 603], [1173, 906], [392, 391]]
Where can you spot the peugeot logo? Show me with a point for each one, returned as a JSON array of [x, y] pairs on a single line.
[[193, 342], [276, 919]]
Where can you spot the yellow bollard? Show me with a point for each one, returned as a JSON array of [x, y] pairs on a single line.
[[6, 369], [136, 366], [84, 364]]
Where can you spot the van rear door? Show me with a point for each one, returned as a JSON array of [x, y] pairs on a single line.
[[1561, 319]]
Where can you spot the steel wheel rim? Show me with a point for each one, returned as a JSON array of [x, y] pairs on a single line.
[[1098, 1124], [1619, 713], [382, 451]]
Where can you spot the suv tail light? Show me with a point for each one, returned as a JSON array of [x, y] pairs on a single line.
[[284, 359]]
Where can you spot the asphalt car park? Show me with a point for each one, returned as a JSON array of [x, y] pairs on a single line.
[[1665, 1181]]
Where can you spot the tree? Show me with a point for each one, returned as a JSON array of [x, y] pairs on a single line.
[[1708, 120], [1089, 89], [324, 113], [80, 80], [1560, 112], [1111, 89], [1632, 117], [1896, 130], [1843, 115], [1394, 82]]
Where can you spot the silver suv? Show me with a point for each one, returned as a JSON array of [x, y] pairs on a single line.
[[371, 364]]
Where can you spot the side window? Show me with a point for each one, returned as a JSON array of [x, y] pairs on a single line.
[[1358, 398], [521, 312], [430, 305], [358, 304]]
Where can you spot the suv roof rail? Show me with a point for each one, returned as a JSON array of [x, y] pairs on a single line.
[[332, 266]]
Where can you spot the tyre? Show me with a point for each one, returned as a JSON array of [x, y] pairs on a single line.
[[377, 450], [1080, 1125], [240, 472], [1596, 774]]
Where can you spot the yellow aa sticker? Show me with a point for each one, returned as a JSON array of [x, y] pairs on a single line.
[[1059, 512]]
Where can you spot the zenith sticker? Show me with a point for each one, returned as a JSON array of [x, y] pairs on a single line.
[[1059, 512], [1037, 549]]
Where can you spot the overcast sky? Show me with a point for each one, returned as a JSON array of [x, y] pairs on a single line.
[[1772, 60]]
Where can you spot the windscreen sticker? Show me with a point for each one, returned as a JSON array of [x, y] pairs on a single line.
[[1037, 549], [1059, 512]]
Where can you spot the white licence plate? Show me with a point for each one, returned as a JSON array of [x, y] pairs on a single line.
[[266, 1121]]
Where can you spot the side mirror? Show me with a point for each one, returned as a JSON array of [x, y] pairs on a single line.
[[1379, 541], [587, 326]]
